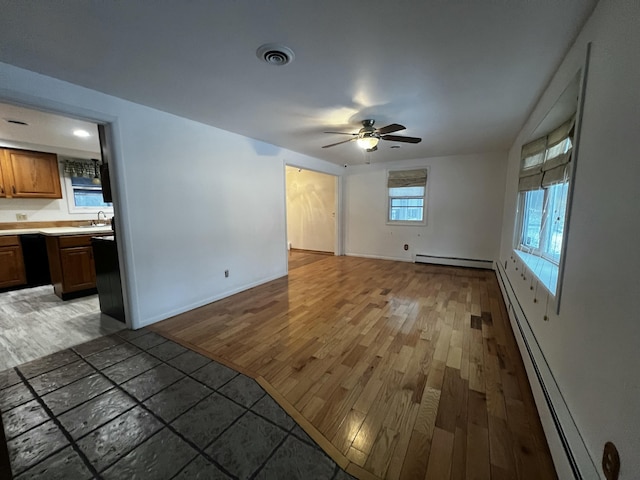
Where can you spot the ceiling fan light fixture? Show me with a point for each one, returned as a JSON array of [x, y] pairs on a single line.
[[367, 141]]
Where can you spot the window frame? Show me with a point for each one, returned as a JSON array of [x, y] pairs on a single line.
[[71, 203], [414, 223]]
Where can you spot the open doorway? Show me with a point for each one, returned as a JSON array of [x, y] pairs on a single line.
[[52, 207], [311, 215]]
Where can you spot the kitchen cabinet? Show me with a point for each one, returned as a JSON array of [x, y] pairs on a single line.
[[73, 271], [12, 272], [27, 174]]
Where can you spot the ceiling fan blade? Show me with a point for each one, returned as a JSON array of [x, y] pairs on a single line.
[[342, 133], [398, 138], [394, 127], [334, 144]]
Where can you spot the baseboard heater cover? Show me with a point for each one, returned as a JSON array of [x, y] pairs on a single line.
[[454, 261], [577, 457]]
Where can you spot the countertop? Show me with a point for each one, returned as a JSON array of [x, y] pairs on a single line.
[[59, 231]]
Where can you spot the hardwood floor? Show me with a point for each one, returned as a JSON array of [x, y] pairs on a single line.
[[398, 370]]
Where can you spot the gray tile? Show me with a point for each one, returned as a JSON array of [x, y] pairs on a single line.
[[342, 475], [152, 381], [131, 334], [243, 390], [50, 362], [214, 375], [22, 418], [201, 469], [121, 435], [246, 445], [167, 350], [189, 361], [67, 397], [47, 382], [8, 378], [177, 398], [204, 422], [97, 345], [131, 367], [13, 396], [96, 412], [64, 465], [148, 340], [160, 457], [302, 435], [106, 358], [268, 408], [295, 460], [34, 445]]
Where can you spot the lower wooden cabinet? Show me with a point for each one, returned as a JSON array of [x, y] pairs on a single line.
[[12, 272], [71, 264]]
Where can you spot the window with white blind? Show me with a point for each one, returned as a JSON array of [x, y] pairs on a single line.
[[407, 197], [542, 202]]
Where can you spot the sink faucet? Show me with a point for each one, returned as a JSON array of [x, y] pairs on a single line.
[[104, 215]]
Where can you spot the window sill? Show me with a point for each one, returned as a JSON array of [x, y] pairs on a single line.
[[407, 223], [544, 270]]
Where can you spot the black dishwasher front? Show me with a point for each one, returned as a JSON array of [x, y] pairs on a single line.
[[36, 260]]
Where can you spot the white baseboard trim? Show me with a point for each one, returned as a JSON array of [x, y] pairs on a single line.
[[378, 257], [570, 455], [206, 301], [454, 261]]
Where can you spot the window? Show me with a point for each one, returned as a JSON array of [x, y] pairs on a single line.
[[86, 193], [83, 187], [407, 193], [542, 203]]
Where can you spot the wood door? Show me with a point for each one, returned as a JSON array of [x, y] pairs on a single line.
[[31, 174], [78, 270], [12, 271]]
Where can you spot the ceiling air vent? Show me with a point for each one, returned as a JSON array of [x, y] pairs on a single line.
[[16, 122], [275, 54]]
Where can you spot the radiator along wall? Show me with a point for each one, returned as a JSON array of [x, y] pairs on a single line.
[[465, 195], [591, 346]]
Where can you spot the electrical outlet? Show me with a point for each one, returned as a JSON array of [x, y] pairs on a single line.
[[21, 216], [406, 246], [226, 274], [610, 461]]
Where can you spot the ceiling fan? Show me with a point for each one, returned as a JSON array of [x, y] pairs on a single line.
[[368, 137]]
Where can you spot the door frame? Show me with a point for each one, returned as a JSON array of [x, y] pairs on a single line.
[[111, 130], [338, 244]]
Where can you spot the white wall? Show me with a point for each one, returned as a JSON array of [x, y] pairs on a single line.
[[193, 200], [464, 209], [593, 345], [311, 209]]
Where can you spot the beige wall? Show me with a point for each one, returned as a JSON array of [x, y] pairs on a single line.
[[311, 200]]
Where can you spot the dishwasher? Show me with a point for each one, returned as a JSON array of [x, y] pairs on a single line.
[[36, 260]]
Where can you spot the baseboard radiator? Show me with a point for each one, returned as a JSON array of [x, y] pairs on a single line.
[[568, 450], [454, 261]]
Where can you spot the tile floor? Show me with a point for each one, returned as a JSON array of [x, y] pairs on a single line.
[[34, 322], [134, 405]]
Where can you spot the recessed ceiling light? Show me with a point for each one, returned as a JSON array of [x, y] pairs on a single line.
[[81, 133], [17, 122]]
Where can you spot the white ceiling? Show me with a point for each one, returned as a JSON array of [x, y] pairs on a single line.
[[463, 75], [45, 130]]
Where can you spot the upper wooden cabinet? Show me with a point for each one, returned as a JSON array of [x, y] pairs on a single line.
[[26, 174]]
